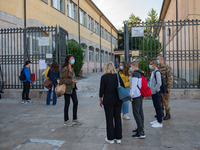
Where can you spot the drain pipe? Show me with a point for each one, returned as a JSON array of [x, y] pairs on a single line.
[[177, 37], [24, 13], [79, 32], [25, 46], [100, 42]]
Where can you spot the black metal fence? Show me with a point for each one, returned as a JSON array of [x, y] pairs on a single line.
[[36, 44], [177, 41]]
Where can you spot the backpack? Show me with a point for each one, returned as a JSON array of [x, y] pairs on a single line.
[[163, 87], [22, 76], [144, 90]]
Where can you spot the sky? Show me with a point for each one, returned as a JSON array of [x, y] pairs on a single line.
[[119, 10]]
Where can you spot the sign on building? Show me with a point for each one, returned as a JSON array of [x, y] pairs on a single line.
[[135, 53], [43, 41], [137, 32]]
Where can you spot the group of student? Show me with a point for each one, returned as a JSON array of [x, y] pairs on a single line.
[[131, 78]]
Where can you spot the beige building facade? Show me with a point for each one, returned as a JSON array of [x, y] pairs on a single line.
[[182, 35], [93, 31]]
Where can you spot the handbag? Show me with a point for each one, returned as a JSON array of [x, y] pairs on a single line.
[[122, 92], [48, 83], [61, 89]]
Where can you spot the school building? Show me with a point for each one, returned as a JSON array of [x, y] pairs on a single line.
[[83, 20]]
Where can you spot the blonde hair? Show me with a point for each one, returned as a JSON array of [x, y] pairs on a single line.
[[109, 68]]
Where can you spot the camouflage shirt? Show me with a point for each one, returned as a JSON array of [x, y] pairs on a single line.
[[167, 74]]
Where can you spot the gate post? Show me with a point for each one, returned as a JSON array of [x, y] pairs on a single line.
[[126, 42], [56, 41], [164, 40]]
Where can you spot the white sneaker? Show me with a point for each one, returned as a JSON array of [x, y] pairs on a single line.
[[29, 101], [76, 122], [157, 125], [23, 101], [155, 121], [125, 116], [109, 141], [118, 141], [68, 123]]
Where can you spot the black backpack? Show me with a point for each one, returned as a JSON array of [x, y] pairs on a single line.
[[22, 76], [163, 87]]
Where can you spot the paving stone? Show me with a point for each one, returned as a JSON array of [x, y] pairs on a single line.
[[19, 123]]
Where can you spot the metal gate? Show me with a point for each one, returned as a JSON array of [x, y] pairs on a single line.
[[63, 35], [177, 41], [35, 44]]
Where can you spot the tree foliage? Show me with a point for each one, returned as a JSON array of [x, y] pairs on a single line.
[[149, 45], [75, 49]]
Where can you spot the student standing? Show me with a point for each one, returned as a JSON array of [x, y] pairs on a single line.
[[26, 83], [68, 78], [137, 100], [112, 104], [54, 75], [124, 74], [167, 74], [155, 84]]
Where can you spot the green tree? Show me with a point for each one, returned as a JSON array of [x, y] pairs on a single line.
[[132, 19], [75, 49], [150, 48], [152, 21], [133, 43]]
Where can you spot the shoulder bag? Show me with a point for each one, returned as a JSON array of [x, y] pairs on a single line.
[[122, 93], [48, 83], [61, 89]]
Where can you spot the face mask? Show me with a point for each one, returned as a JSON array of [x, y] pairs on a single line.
[[150, 66], [132, 70], [158, 62], [30, 65], [121, 67], [72, 61]]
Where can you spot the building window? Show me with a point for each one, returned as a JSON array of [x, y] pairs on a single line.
[[45, 1], [102, 58], [83, 47], [90, 54], [82, 17], [116, 42], [105, 35], [90, 23], [102, 32], [112, 40], [109, 37], [58, 4], [96, 28], [97, 55], [106, 57], [71, 10]]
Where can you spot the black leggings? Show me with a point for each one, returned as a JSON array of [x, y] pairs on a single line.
[[67, 103], [26, 89]]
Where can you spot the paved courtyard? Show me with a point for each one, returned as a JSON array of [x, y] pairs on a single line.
[[37, 126]]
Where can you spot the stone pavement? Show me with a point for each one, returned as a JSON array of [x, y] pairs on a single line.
[[37, 126]]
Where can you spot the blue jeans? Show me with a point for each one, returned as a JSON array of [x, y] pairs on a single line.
[[125, 105], [157, 104], [54, 95]]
